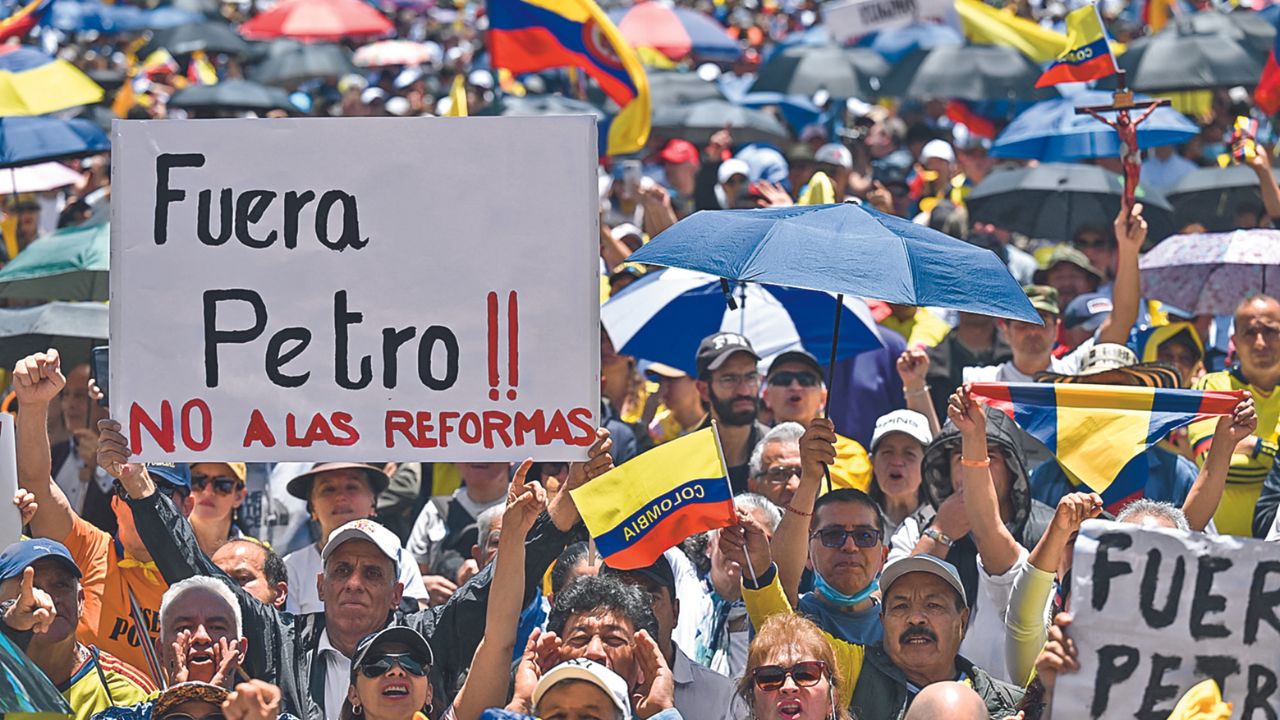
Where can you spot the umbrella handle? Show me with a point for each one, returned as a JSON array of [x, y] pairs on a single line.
[[728, 294], [831, 371]]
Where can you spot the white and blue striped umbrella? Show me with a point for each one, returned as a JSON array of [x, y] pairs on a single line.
[[664, 315]]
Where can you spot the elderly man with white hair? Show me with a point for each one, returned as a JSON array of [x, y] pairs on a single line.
[[774, 468], [201, 632]]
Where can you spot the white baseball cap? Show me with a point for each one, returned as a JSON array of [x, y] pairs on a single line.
[[731, 167], [938, 149], [591, 672], [834, 154], [904, 421], [369, 530], [923, 563]]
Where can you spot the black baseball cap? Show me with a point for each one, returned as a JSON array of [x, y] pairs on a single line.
[[796, 356], [659, 572], [714, 350], [419, 648]]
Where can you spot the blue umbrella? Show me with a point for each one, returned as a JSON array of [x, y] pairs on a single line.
[[663, 316], [898, 43], [71, 16], [31, 140], [1051, 131]]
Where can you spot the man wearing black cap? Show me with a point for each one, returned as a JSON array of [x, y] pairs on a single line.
[[700, 692], [40, 603], [337, 493], [795, 392], [120, 583], [729, 383]]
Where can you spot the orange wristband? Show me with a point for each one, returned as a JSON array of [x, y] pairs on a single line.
[[983, 463]]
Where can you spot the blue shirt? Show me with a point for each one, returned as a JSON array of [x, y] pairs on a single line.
[[860, 628], [1155, 474]]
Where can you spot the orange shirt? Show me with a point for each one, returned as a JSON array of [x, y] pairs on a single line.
[[107, 620]]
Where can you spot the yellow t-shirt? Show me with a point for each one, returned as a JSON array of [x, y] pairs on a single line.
[[1244, 479], [924, 328], [852, 468], [109, 574], [84, 691], [770, 600]]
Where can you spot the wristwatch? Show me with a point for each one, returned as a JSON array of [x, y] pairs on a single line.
[[938, 536]]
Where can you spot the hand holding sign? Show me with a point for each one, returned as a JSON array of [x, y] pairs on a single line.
[[113, 457], [1059, 655], [34, 609]]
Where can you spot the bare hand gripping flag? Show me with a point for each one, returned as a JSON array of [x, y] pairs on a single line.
[[654, 501], [1095, 430]]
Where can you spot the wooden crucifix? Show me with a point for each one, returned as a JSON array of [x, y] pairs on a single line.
[[1127, 128]]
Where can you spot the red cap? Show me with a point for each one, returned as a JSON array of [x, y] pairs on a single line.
[[679, 151]]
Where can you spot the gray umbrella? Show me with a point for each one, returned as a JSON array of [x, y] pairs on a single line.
[[211, 36], [1242, 26], [289, 62], [232, 95], [539, 105], [667, 88], [1212, 196], [70, 328], [1180, 58], [806, 69], [699, 121], [966, 72]]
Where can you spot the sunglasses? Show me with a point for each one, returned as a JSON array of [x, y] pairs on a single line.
[[805, 674], [378, 666], [185, 716], [222, 484], [835, 537], [786, 377]]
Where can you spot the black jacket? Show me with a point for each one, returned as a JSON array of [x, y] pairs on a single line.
[[882, 692], [1264, 513], [282, 646]]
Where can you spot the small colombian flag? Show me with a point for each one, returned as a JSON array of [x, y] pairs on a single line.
[[1088, 56], [638, 510], [1095, 430]]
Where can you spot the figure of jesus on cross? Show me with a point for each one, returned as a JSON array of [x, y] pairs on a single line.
[[1127, 128]]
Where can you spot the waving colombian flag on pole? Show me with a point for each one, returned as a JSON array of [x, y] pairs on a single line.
[[532, 35], [1088, 56], [652, 502], [1095, 430], [21, 22]]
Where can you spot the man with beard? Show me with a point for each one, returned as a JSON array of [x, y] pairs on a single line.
[[40, 604], [729, 383]]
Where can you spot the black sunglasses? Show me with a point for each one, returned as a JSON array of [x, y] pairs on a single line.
[[378, 666], [835, 537], [805, 674], [222, 484], [786, 377]]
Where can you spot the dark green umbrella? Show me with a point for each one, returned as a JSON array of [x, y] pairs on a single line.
[[966, 72], [233, 95], [1052, 200], [211, 36], [71, 328], [806, 69], [1211, 196], [24, 688], [70, 264]]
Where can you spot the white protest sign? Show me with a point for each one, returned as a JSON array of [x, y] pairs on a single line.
[[1157, 611], [10, 521], [853, 18], [359, 288]]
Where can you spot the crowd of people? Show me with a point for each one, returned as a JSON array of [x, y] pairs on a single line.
[[899, 550]]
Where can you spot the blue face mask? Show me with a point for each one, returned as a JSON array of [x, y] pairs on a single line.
[[835, 597]]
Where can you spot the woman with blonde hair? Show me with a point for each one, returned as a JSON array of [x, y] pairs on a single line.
[[791, 673]]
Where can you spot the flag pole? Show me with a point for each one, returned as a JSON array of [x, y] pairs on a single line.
[[724, 469]]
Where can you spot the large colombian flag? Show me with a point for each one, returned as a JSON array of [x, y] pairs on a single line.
[[655, 500], [1095, 430], [533, 35], [1088, 56], [21, 22]]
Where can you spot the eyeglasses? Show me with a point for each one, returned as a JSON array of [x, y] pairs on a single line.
[[834, 537], [805, 674], [222, 484], [786, 377], [378, 666], [779, 474], [185, 716], [729, 382]]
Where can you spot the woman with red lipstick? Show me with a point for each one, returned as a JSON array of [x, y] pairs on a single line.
[[791, 673]]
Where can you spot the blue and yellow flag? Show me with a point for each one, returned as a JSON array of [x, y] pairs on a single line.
[[652, 502], [1095, 430], [533, 35], [985, 25], [1088, 56]]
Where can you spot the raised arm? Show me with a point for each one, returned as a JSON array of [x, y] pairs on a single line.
[[913, 367], [1260, 162], [1206, 493], [1126, 293], [488, 679], [37, 380], [790, 545], [996, 545]]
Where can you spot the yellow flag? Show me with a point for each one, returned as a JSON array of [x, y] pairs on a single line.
[[819, 191], [458, 97], [985, 25]]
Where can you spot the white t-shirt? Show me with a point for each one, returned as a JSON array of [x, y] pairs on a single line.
[[1069, 364], [304, 565]]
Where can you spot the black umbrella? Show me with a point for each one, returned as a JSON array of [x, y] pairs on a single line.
[[1242, 26], [680, 88], [288, 63], [210, 36], [540, 105], [806, 69], [71, 328], [699, 121], [1211, 196], [232, 95], [1050, 201], [1179, 58], [966, 72], [203, 7]]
